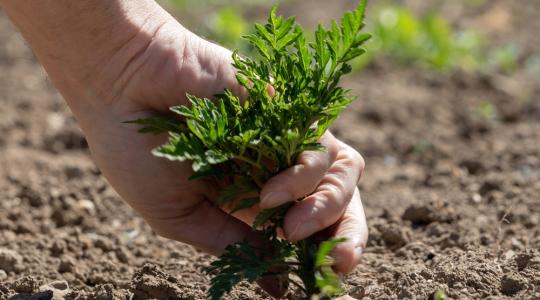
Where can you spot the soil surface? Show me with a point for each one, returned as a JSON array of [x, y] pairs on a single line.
[[452, 196]]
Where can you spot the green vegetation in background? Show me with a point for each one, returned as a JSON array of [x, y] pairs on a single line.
[[532, 65], [487, 111], [431, 42], [226, 25], [224, 20]]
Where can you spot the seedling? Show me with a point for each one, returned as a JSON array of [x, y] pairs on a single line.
[[440, 295], [246, 142]]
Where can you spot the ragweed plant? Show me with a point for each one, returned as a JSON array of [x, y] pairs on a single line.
[[245, 142]]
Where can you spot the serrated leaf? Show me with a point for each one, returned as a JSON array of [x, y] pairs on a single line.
[[261, 30], [361, 9], [288, 40], [327, 280], [215, 156], [303, 53], [261, 47], [325, 249], [239, 262], [353, 53], [285, 28], [362, 38]]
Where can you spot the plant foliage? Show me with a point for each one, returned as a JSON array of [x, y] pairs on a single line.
[[235, 139]]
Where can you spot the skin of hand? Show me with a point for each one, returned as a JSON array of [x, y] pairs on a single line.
[[115, 61]]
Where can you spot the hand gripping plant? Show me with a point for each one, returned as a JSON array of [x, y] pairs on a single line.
[[245, 142]]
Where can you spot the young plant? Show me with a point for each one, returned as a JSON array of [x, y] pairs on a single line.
[[246, 142]]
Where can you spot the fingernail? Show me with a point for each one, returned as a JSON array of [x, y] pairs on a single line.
[[274, 199], [304, 230]]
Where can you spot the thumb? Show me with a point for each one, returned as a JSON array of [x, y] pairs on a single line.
[[212, 69]]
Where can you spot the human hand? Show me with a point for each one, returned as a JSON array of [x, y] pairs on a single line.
[[153, 70]]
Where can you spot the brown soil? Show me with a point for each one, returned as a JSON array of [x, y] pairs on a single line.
[[452, 198]]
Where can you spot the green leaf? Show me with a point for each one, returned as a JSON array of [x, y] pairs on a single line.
[[325, 249], [440, 295], [353, 53], [360, 11], [325, 277], [261, 47], [288, 40], [215, 156], [285, 28], [239, 262], [263, 32], [303, 53]]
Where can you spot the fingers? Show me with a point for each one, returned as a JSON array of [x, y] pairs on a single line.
[[329, 201], [301, 179], [353, 227]]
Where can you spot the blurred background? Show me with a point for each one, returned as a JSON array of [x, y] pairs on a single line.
[[447, 117], [469, 35]]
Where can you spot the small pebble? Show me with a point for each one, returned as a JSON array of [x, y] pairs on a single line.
[[3, 275]]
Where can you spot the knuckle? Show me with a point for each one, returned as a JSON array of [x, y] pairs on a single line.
[[335, 196], [322, 215], [354, 159], [333, 150], [334, 185], [342, 192], [310, 160]]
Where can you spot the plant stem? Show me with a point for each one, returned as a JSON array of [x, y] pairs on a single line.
[[306, 257], [249, 161]]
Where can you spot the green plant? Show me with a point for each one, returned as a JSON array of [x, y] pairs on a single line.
[[505, 58], [487, 111], [226, 25], [429, 41], [532, 65], [247, 142], [440, 295]]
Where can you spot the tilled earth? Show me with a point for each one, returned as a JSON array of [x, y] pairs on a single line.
[[452, 195]]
